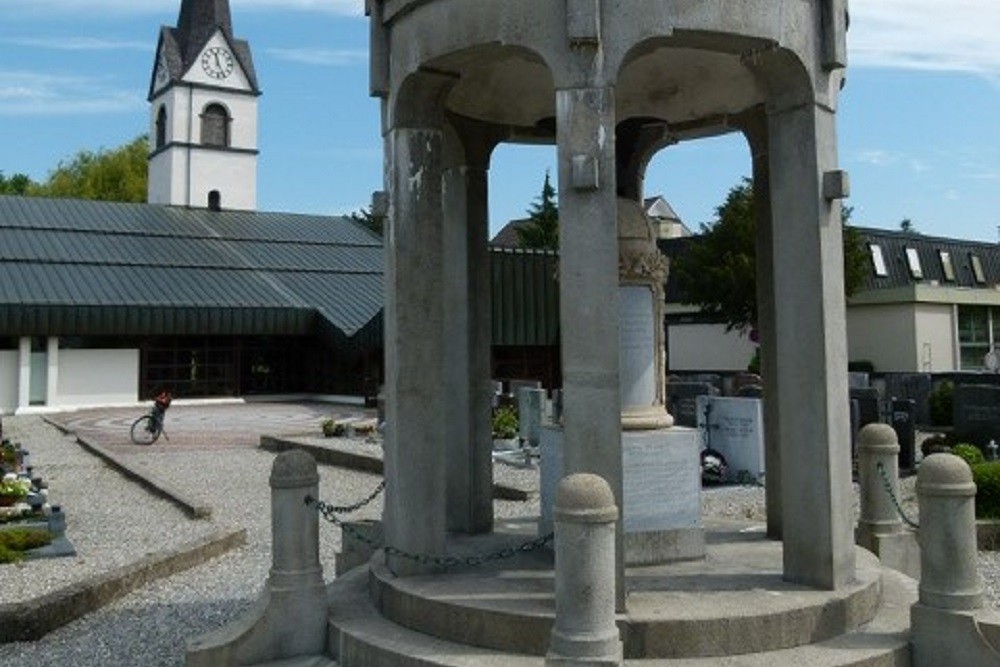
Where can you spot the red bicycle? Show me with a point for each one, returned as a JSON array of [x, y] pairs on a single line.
[[148, 428]]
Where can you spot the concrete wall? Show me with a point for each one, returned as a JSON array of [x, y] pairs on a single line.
[[707, 347], [8, 381], [884, 335], [935, 327], [97, 377]]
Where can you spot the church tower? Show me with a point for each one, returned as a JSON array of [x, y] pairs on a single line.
[[203, 113]]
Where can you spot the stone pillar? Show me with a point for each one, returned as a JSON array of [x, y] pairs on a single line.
[[878, 447], [24, 372], [289, 618], [754, 127], [949, 570], [584, 633], [467, 332], [588, 288], [810, 333], [52, 371], [415, 461]]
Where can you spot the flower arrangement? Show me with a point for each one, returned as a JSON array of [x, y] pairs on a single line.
[[504, 423], [13, 486]]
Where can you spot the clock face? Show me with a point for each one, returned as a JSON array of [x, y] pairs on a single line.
[[217, 62], [162, 75]]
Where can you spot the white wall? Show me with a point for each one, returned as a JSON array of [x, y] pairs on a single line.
[[884, 335], [9, 370], [97, 377], [935, 337], [707, 347]]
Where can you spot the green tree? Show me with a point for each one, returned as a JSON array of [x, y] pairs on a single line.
[[906, 225], [718, 272], [18, 184], [118, 174], [369, 220], [541, 231]]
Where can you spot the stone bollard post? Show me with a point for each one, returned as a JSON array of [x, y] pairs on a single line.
[[289, 618], [949, 572], [585, 633], [948, 625], [878, 445]]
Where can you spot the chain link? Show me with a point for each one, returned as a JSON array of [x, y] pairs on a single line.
[[330, 512], [880, 467]]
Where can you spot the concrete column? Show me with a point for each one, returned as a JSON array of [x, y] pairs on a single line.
[[289, 618], [467, 333], [588, 288], [949, 570], [52, 371], [584, 633], [754, 127], [811, 345], [415, 461], [878, 447], [24, 372]]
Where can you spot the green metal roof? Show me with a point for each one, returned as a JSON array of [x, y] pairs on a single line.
[[72, 267]]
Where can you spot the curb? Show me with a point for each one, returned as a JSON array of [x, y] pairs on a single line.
[[30, 620], [334, 456]]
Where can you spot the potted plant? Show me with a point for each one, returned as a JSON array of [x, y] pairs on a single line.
[[13, 489], [504, 428]]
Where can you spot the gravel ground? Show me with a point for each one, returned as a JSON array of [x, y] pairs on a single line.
[[113, 521]]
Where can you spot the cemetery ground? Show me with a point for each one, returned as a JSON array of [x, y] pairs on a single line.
[[211, 461]]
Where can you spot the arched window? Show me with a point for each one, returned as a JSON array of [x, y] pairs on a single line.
[[161, 127], [215, 126]]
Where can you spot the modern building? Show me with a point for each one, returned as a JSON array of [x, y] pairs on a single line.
[[928, 304]]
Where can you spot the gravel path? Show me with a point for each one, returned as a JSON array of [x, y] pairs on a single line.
[[113, 521]]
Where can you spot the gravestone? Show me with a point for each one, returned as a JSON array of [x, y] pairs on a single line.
[[531, 404], [868, 409], [857, 380], [497, 393], [735, 428], [903, 415], [750, 391], [977, 413], [915, 386], [681, 400], [713, 379]]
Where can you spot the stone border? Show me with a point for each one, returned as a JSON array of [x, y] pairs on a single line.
[[343, 458], [32, 619]]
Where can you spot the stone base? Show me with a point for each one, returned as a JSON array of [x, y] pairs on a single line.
[[661, 514]]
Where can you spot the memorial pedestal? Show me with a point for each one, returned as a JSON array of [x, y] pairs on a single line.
[[661, 508]]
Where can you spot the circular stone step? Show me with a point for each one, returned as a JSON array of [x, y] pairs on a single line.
[[733, 602]]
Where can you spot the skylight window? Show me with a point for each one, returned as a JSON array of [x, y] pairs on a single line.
[[913, 262], [946, 266], [977, 269], [878, 261]]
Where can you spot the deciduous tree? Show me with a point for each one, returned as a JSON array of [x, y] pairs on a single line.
[[118, 174]]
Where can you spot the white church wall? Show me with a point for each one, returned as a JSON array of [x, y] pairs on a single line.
[[90, 378], [9, 370], [707, 347], [935, 328], [884, 335]]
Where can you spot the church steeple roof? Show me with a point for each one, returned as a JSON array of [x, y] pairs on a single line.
[[197, 22]]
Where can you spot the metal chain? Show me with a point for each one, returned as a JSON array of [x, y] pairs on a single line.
[[330, 512], [347, 509], [880, 467]]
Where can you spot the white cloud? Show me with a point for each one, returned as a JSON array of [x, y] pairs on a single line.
[[875, 156], [344, 7], [78, 44], [320, 56], [957, 35], [23, 93]]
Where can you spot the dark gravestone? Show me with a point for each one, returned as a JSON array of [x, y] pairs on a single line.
[[903, 414], [867, 398], [857, 380], [977, 413], [713, 379], [914, 386], [682, 400], [750, 391]]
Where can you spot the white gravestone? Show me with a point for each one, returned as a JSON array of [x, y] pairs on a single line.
[[735, 428]]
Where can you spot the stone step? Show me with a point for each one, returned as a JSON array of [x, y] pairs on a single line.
[[364, 638], [674, 611], [301, 661]]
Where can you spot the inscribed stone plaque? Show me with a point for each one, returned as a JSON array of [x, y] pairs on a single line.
[[977, 413], [662, 476], [637, 344], [735, 428]]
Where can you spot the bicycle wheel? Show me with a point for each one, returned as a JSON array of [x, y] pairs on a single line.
[[145, 430]]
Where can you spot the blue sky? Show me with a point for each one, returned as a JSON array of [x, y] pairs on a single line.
[[918, 120]]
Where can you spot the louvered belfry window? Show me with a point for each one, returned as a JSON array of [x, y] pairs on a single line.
[[215, 126]]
